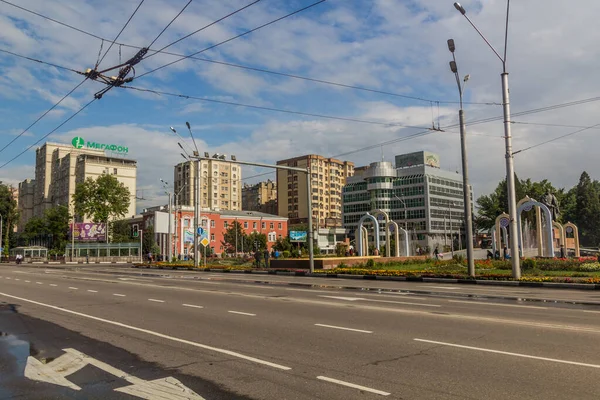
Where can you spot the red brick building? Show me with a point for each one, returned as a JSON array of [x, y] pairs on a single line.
[[216, 222]]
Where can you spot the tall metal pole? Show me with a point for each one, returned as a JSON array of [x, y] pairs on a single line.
[[1, 254], [311, 257], [466, 193], [169, 233], [510, 181], [73, 235], [451, 233], [196, 212]]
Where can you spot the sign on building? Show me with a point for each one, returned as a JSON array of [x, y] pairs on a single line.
[[418, 158], [79, 142]]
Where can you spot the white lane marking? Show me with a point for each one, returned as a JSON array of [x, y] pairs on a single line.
[[442, 287], [309, 290], [92, 291], [74, 288], [17, 279], [156, 301], [507, 353], [353, 385], [40, 283], [28, 281], [191, 305], [119, 294], [241, 313], [382, 301], [595, 312], [7, 277], [343, 298], [341, 327], [153, 333], [495, 304], [53, 284]]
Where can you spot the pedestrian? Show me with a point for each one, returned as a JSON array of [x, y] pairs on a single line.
[[436, 253], [276, 254], [257, 258], [266, 254]]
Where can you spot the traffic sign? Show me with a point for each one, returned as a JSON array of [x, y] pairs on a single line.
[[204, 242], [200, 230]]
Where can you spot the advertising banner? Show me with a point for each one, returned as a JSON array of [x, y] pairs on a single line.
[[88, 232], [297, 236]]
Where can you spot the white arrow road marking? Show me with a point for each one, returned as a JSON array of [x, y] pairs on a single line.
[[72, 361], [382, 301], [164, 388]]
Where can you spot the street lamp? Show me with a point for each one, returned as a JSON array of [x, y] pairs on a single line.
[[510, 172], [169, 234], [465, 167]]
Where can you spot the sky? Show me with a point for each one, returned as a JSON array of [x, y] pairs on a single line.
[[394, 46]]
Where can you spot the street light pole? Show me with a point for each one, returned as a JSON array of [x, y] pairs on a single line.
[[465, 168], [510, 171], [405, 223]]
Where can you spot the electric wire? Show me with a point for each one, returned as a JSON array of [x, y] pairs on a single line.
[[556, 138], [40, 61], [121, 31], [196, 31], [231, 103], [169, 24], [232, 38], [42, 116], [48, 134], [262, 70]]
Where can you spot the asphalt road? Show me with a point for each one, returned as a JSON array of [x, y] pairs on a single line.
[[226, 336]]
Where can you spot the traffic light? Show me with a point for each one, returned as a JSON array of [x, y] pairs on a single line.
[[135, 230]]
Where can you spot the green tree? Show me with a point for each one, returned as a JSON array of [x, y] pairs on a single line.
[[57, 220], [283, 244], [149, 243], [587, 210], [102, 198], [233, 236], [9, 213], [260, 238], [34, 228], [120, 232]]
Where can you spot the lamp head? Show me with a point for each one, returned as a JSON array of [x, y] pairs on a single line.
[[173, 129], [460, 8], [451, 46], [206, 154], [467, 77], [188, 125], [453, 67]]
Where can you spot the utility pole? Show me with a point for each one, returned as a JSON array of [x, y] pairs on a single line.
[[170, 234]]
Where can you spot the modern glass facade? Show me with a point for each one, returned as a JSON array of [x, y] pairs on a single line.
[[426, 200]]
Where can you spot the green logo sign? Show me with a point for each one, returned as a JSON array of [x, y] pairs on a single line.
[[78, 143]]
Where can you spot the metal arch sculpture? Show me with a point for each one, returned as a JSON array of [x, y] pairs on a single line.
[[562, 240], [376, 214], [572, 228], [496, 239], [360, 234], [527, 204], [397, 230]]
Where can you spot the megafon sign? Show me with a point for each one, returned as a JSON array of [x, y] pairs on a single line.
[[78, 142]]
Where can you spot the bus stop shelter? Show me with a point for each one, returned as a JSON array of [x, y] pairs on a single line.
[[104, 252]]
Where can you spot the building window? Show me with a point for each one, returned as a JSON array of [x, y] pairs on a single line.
[[271, 225], [279, 226], [264, 225], [254, 225], [245, 224], [186, 223], [212, 237], [212, 223], [114, 171], [225, 224]]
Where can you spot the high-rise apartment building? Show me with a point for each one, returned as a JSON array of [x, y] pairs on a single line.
[[25, 202], [328, 177], [260, 197], [59, 167], [220, 184]]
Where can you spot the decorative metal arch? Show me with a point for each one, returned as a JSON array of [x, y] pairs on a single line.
[[572, 228], [527, 204], [361, 248], [376, 214]]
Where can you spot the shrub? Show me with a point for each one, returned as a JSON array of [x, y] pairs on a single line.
[[370, 263], [459, 258], [287, 254], [589, 267], [528, 263]]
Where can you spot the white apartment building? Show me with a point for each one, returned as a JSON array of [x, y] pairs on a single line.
[[220, 184]]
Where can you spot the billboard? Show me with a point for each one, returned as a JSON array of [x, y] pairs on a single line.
[[297, 236], [88, 232], [418, 158]]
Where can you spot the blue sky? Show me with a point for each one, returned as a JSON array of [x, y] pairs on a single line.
[[389, 45]]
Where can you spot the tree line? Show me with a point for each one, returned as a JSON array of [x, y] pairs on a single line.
[[580, 205]]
